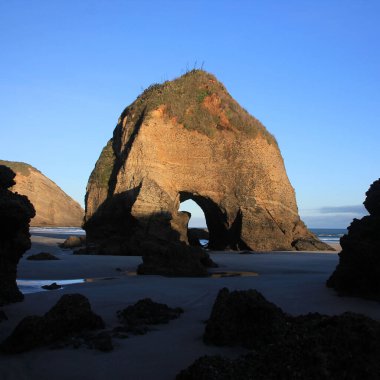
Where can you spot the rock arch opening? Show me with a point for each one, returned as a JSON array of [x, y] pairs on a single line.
[[197, 219], [197, 232], [214, 218]]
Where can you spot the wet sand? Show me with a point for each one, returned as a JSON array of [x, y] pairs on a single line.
[[294, 281]]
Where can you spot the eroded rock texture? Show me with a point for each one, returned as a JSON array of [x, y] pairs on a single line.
[[136, 318], [243, 318], [312, 346], [189, 139], [358, 271], [174, 259], [71, 315], [15, 214], [53, 206]]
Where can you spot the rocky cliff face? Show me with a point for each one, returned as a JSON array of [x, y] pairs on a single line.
[[53, 206], [189, 139]]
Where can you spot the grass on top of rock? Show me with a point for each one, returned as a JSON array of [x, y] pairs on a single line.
[[18, 167], [199, 102], [103, 168]]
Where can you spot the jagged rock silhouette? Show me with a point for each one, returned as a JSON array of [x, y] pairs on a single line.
[[15, 214], [358, 271]]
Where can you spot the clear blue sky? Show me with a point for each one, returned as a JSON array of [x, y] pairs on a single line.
[[309, 70]]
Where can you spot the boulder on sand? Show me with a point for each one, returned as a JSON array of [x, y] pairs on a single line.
[[174, 259], [74, 242], [71, 315], [243, 318], [312, 346]]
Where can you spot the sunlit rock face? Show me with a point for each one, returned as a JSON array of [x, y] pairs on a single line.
[[15, 214], [358, 271], [53, 206], [189, 139]]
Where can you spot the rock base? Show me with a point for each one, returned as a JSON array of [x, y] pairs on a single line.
[[314, 346], [71, 315], [174, 259], [16, 212]]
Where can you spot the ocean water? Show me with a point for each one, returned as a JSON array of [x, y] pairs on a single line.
[[329, 235], [57, 230], [33, 286]]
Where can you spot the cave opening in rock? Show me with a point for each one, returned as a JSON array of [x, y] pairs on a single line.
[[205, 215], [197, 232], [198, 219]]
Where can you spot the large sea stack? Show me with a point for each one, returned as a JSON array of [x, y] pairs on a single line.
[[358, 271], [15, 214], [54, 208], [189, 139]]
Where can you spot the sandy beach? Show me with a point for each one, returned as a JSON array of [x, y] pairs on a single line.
[[293, 281]]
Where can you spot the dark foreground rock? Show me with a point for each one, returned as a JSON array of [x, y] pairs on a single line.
[[174, 259], [3, 316], [358, 271], [42, 256], [101, 341], [70, 316], [15, 214], [243, 318], [313, 347], [211, 368], [136, 318]]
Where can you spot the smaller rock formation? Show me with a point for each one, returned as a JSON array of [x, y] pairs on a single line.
[[174, 259], [74, 242], [53, 206], [15, 214], [52, 286], [311, 244], [70, 316], [136, 318], [243, 318], [313, 346], [42, 256], [358, 271], [195, 235]]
